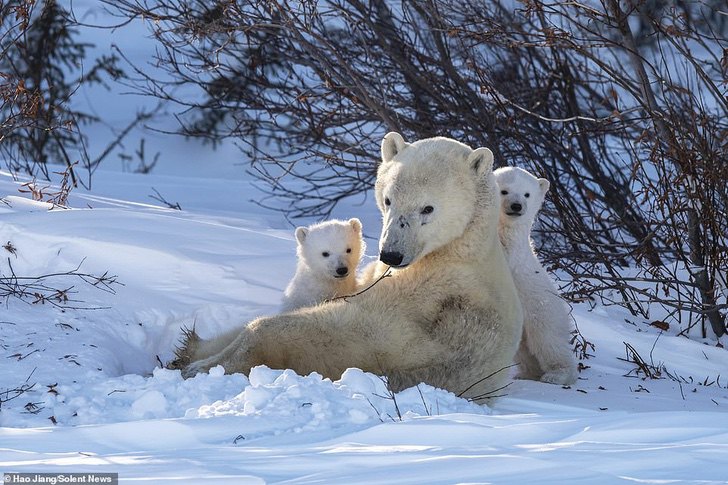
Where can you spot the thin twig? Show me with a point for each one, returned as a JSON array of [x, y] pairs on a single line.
[[485, 378], [386, 274]]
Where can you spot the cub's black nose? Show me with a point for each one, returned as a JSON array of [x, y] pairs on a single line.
[[516, 207], [391, 258], [342, 271]]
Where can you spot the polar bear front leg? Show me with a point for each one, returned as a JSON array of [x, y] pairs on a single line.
[[528, 366], [228, 350], [328, 339], [199, 366], [547, 340]]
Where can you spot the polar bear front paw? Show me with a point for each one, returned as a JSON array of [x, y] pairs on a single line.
[[563, 376], [197, 367], [526, 376]]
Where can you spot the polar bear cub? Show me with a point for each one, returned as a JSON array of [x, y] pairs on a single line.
[[544, 353], [328, 255]]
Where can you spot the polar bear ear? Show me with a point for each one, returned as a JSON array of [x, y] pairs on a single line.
[[392, 144], [301, 233], [481, 160], [356, 224], [544, 184]]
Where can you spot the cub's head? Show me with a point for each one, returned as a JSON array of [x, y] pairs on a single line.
[[331, 248], [521, 194], [428, 193]]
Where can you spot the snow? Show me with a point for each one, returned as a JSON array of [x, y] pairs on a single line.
[[222, 261]]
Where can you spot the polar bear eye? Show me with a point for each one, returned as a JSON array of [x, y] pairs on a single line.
[[428, 209], [348, 250], [504, 192], [387, 201], [325, 254], [527, 195]]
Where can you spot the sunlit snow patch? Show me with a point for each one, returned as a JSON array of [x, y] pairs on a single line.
[[292, 403]]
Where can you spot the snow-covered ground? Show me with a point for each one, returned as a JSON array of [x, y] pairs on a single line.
[[100, 402], [82, 390]]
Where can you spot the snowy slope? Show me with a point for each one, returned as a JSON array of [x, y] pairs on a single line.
[[222, 261]]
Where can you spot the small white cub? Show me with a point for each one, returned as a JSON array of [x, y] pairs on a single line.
[[328, 255], [544, 353]]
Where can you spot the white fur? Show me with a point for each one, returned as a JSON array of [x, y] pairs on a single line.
[[438, 318], [544, 353], [324, 251]]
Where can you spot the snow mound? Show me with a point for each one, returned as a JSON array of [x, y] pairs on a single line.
[[98, 399], [274, 401], [290, 403]]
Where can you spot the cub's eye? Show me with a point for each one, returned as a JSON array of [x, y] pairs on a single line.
[[527, 195], [348, 250], [325, 254], [427, 209], [387, 201], [504, 192]]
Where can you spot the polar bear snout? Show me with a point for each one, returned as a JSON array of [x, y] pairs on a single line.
[[341, 272], [391, 258], [398, 246], [516, 209]]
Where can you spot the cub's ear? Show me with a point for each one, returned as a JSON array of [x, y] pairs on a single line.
[[392, 144], [356, 224], [481, 160], [301, 233], [544, 184]]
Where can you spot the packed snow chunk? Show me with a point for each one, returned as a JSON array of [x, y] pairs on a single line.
[[256, 398], [262, 375], [359, 382], [217, 371], [152, 404], [282, 402], [166, 376], [421, 400], [24, 204], [425, 400]]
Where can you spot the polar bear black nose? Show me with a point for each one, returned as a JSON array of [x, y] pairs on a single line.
[[342, 271], [516, 207], [391, 258]]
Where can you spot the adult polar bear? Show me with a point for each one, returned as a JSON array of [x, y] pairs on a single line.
[[449, 315]]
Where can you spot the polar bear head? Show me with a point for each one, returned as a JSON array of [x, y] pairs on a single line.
[[428, 192], [331, 249], [522, 195]]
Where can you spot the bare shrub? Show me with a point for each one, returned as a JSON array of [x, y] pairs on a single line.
[[629, 123], [42, 67], [54, 288], [9, 394], [45, 192]]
